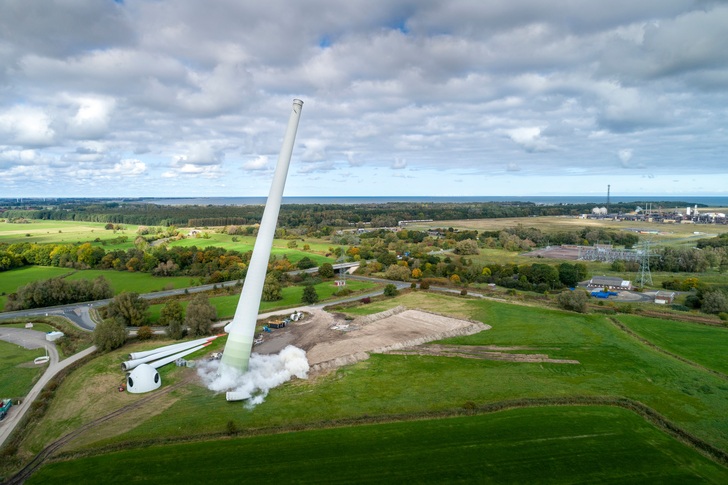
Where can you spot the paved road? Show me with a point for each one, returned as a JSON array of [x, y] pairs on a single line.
[[77, 313]]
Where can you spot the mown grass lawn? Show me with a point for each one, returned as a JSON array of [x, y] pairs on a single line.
[[702, 344], [536, 445]]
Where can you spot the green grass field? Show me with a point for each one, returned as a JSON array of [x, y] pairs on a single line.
[[550, 445], [11, 280], [536, 445], [702, 344], [38, 231], [612, 364], [246, 243], [136, 282], [226, 305], [120, 281], [60, 232], [17, 372]]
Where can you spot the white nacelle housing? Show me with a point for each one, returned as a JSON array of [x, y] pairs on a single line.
[[143, 378]]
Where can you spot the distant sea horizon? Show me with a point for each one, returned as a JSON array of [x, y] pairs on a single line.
[[710, 201]]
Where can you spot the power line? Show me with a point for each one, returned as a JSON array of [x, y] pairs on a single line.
[[645, 274]]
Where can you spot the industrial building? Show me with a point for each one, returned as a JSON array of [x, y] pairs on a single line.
[[609, 283]]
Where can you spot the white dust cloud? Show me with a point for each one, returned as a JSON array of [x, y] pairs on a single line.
[[264, 373]]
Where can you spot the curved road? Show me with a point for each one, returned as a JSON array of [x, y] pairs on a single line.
[[77, 313]]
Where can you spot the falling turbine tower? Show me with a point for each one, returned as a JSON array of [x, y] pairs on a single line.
[[242, 328]]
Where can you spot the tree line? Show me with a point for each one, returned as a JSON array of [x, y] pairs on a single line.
[[128, 309], [58, 291], [311, 217]]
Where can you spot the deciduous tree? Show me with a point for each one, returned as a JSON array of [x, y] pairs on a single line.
[[145, 332], [391, 290], [398, 273], [467, 246], [271, 289], [575, 300], [172, 316], [305, 263], [130, 308], [310, 296], [326, 270], [715, 302], [200, 316], [110, 334]]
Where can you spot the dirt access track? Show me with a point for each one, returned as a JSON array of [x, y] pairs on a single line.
[[331, 341]]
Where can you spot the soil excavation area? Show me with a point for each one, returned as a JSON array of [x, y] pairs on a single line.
[[331, 341]]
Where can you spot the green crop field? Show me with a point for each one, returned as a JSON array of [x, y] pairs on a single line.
[[17, 371], [702, 344], [38, 231], [536, 445]]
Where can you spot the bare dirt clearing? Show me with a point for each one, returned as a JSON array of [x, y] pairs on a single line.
[[331, 341]]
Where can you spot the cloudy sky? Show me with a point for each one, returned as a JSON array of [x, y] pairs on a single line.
[[401, 97]]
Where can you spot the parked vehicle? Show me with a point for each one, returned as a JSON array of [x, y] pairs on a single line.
[[5, 406]]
